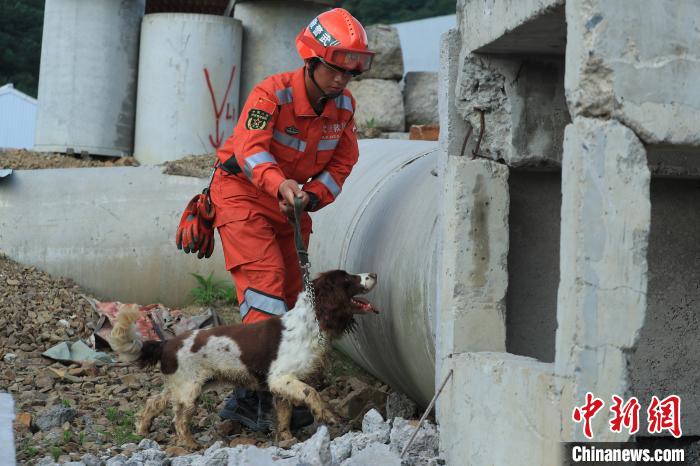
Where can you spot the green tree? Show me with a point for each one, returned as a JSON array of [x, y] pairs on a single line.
[[395, 11], [21, 24]]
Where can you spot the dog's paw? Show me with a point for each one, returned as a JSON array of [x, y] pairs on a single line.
[[288, 442], [328, 417], [190, 444]]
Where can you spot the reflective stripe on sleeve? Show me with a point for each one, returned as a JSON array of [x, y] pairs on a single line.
[[327, 144], [289, 141], [253, 160], [344, 102], [285, 96], [329, 183], [262, 302]]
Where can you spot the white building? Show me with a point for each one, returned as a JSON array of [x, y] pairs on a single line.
[[17, 118]]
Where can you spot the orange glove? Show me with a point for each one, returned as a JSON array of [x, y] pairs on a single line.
[[196, 230]]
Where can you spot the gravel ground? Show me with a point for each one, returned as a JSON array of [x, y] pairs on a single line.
[[68, 410]]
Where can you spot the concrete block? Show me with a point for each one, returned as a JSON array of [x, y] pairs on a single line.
[[512, 26], [420, 98], [603, 263], [379, 104], [638, 65], [112, 230], [453, 127], [499, 409], [388, 62], [523, 104], [474, 275]]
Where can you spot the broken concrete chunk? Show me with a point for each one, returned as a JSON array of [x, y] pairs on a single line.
[[420, 98], [379, 104], [317, 451], [388, 61], [399, 405]]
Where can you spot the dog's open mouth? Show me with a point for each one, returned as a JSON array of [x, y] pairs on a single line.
[[363, 306]]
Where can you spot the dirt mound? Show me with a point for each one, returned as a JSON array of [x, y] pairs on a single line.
[[20, 159], [199, 166]]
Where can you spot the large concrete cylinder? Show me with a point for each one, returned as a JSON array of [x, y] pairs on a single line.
[[269, 30], [87, 77], [189, 80], [385, 221]]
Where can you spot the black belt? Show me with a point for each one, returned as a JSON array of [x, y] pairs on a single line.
[[230, 166]]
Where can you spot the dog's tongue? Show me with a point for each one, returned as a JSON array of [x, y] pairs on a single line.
[[364, 305]]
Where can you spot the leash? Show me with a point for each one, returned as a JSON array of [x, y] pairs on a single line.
[[299, 241]]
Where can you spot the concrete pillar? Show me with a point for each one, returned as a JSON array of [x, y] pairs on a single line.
[[603, 264], [504, 410], [269, 30]]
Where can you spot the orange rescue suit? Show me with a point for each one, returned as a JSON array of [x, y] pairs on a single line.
[[278, 136]]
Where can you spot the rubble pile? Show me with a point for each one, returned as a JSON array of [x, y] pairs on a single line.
[[379, 443], [85, 412]]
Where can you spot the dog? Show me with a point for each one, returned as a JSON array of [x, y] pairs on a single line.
[[278, 353]]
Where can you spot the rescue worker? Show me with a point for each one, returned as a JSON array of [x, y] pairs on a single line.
[[295, 137]]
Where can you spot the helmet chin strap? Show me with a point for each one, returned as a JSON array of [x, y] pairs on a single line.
[[324, 95]]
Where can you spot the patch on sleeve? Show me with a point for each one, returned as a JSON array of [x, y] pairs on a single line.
[[257, 119]]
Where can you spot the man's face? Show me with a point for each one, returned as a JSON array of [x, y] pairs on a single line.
[[331, 78]]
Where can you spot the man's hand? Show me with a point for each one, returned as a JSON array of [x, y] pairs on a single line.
[[288, 190]]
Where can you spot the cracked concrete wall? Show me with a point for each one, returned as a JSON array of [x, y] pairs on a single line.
[[603, 264], [668, 348], [533, 263], [637, 65], [524, 106]]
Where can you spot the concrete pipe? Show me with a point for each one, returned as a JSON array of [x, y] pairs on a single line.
[[87, 77], [269, 30], [189, 77], [385, 221]]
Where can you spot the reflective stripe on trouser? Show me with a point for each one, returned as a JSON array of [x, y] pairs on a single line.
[[261, 255]]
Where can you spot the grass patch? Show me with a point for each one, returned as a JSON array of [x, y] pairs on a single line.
[[210, 291], [123, 427]]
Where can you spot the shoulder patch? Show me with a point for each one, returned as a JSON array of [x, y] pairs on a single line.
[[257, 119]]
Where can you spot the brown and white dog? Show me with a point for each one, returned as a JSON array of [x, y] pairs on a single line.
[[278, 353]]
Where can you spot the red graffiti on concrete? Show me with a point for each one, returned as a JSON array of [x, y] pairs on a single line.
[[219, 110]]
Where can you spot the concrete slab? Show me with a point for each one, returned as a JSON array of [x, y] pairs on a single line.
[[112, 230], [512, 26], [474, 257], [603, 263], [500, 409], [638, 65]]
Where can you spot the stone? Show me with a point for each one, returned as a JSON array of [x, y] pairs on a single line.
[[379, 104], [424, 133], [376, 453], [147, 444], [55, 417], [46, 461], [341, 447], [185, 460], [91, 460], [119, 460], [242, 441], [215, 446], [316, 451], [9, 358], [400, 405], [426, 441], [420, 98], [374, 425], [388, 61]]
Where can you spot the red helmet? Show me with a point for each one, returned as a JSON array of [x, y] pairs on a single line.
[[337, 38]]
